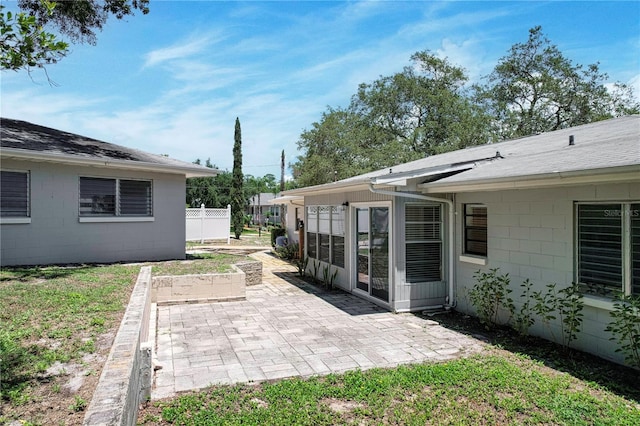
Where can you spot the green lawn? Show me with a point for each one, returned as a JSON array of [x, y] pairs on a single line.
[[66, 317], [493, 388]]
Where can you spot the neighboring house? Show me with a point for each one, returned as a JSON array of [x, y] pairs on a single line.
[[262, 211], [558, 207], [65, 198]]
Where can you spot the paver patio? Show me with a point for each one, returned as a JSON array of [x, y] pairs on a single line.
[[287, 327]]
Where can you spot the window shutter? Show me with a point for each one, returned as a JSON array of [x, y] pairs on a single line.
[[600, 265], [423, 243], [97, 197], [135, 198], [14, 194]]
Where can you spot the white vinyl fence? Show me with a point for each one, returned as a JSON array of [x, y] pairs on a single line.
[[208, 224]]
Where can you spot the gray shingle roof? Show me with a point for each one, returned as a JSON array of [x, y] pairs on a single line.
[[613, 143], [36, 139]]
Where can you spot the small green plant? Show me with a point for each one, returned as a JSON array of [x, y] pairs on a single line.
[[302, 266], [490, 294], [625, 328], [523, 320], [316, 268], [329, 278], [567, 304], [79, 404], [287, 252]]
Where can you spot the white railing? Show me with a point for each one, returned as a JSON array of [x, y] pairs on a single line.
[[208, 224]]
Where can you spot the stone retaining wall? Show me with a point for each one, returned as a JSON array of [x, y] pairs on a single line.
[[253, 271], [126, 377]]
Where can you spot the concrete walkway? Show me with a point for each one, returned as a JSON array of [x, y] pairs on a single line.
[[286, 328]]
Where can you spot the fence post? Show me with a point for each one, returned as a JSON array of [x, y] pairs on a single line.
[[229, 223], [202, 213]]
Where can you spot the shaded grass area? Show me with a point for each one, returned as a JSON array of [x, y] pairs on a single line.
[[494, 388], [56, 321], [621, 380]]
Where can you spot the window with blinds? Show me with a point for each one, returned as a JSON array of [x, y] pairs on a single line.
[[423, 243], [608, 248], [475, 229], [14, 194], [115, 197]]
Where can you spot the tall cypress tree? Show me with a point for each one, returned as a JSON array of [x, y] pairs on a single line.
[[237, 192]]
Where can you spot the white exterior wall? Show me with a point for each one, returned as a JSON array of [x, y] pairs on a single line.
[[55, 234], [531, 235]]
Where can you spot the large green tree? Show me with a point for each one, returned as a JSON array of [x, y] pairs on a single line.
[[535, 88], [212, 191], [238, 201], [29, 38], [423, 110]]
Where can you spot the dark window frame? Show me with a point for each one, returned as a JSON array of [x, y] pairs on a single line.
[[473, 242], [127, 197], [12, 205]]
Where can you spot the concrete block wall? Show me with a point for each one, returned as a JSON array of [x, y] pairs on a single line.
[[126, 376], [55, 234], [531, 235], [198, 288]]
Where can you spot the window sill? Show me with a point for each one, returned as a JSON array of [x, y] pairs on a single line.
[[598, 302], [476, 260], [14, 220], [117, 219]]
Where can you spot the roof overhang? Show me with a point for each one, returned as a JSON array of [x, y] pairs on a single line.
[[26, 155], [296, 200], [578, 177]]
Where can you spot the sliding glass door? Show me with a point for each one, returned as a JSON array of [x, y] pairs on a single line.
[[372, 257]]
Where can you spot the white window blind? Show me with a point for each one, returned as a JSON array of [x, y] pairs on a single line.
[[423, 243]]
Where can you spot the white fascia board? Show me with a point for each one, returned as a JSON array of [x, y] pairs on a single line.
[[21, 154], [581, 177]]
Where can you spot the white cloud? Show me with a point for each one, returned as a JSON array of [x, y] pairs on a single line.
[[194, 45]]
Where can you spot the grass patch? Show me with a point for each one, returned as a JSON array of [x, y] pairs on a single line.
[[205, 263], [50, 314], [499, 388], [52, 317]]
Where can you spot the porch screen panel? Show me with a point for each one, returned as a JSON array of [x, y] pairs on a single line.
[[97, 197], [423, 243], [600, 260], [135, 198], [312, 247], [324, 247], [14, 194], [324, 220], [312, 219], [337, 235], [635, 248]]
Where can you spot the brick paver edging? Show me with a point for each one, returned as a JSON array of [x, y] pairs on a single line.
[[126, 377]]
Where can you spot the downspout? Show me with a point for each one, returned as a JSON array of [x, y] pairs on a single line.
[[449, 203]]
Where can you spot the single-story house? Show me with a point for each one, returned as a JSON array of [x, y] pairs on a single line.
[[262, 210], [558, 207], [66, 198]]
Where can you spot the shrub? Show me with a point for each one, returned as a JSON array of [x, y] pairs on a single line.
[[625, 328], [490, 294], [288, 252], [275, 233], [567, 303]]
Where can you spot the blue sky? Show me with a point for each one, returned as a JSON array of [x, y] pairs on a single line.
[[173, 81]]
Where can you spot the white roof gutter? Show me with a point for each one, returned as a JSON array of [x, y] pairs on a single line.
[[20, 154], [449, 203]]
